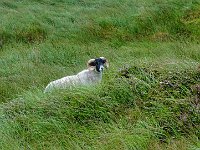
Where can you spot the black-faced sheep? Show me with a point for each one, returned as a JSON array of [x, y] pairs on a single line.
[[91, 75]]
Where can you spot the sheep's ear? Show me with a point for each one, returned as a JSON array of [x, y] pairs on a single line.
[[91, 62], [105, 62]]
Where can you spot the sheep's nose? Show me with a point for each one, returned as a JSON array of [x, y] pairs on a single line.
[[101, 68]]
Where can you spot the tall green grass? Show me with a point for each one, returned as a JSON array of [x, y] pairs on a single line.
[[148, 99]]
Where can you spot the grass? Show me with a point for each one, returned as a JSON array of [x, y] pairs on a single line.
[[148, 99]]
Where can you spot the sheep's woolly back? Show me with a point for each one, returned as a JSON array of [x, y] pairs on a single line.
[[85, 77]]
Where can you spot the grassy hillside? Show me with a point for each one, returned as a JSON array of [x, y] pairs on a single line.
[[149, 97]]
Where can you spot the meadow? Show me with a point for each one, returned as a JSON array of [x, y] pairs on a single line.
[[149, 97]]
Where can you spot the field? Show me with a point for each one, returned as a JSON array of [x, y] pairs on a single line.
[[149, 97]]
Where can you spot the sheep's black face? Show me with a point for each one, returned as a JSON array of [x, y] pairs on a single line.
[[99, 63]]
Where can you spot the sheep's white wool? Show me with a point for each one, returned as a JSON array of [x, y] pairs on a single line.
[[85, 77]]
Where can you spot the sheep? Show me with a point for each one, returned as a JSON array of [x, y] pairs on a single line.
[[89, 76]]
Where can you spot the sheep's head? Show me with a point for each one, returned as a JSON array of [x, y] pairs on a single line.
[[98, 64]]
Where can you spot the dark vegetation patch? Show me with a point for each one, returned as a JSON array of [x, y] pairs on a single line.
[[192, 21], [31, 33], [9, 5], [171, 97]]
